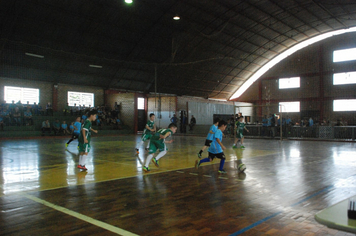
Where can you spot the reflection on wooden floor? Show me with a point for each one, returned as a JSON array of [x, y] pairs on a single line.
[[285, 184]]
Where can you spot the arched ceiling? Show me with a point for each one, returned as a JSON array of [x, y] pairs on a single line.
[[210, 52]]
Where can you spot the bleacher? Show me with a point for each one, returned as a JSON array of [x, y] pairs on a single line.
[[35, 129]]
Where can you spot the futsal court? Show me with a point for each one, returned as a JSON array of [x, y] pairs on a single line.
[[284, 185]]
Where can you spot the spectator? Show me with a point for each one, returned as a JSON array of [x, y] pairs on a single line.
[[79, 110], [311, 122], [12, 106], [174, 119], [64, 128], [264, 125], [49, 109], [73, 109], [273, 125], [66, 109], [35, 109], [192, 123], [28, 106], [28, 117], [17, 116], [56, 127], [6, 116], [1, 123], [118, 123], [71, 128], [46, 127], [40, 109]]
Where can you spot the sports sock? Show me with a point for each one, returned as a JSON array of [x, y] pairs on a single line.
[[70, 141], [207, 159], [148, 145], [148, 160], [161, 154], [222, 162], [80, 159], [201, 151], [84, 159]]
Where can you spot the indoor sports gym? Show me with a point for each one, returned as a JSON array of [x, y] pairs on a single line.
[[75, 74]]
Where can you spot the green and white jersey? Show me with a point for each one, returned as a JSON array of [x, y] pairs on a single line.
[[156, 136], [87, 127], [240, 126], [150, 124]]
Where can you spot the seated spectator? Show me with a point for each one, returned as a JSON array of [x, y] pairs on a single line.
[[118, 123], [28, 117], [46, 127], [49, 109], [71, 128], [56, 127], [66, 109], [6, 116], [64, 128], [40, 109], [1, 124], [28, 106], [98, 121], [35, 109], [17, 116], [84, 117]]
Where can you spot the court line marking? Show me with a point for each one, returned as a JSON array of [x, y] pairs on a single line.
[[81, 216], [279, 212]]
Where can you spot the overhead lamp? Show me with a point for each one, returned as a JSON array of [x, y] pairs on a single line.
[[176, 17], [96, 66], [128, 1], [33, 55]]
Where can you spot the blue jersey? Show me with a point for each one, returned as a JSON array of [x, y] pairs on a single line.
[[215, 147], [78, 125], [213, 129]]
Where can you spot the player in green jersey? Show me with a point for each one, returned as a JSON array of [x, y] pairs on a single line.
[[84, 139], [147, 133], [158, 143], [240, 126]]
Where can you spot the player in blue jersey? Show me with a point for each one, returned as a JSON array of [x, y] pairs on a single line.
[[216, 148], [77, 127], [210, 136]]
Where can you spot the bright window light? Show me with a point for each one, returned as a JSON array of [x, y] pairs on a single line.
[[284, 55], [345, 55], [344, 78], [140, 103], [80, 99], [289, 107], [285, 83], [345, 105], [23, 95]]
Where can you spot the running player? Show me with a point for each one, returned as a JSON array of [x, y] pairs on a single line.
[[240, 126], [210, 136], [216, 148], [147, 132], [158, 142], [77, 127], [84, 139]]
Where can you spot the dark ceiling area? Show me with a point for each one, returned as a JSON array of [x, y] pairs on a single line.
[[210, 52]]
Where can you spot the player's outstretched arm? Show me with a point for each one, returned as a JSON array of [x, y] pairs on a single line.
[[220, 143], [95, 131]]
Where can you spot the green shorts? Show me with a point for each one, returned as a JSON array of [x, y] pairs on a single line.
[[146, 136], [84, 147], [154, 145], [239, 135]]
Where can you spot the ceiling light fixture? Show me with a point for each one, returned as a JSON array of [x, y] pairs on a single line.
[[176, 17], [96, 66], [128, 1], [33, 55]]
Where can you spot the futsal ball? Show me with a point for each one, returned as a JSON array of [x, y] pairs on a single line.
[[241, 167]]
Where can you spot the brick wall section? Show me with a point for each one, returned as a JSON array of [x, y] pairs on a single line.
[[127, 106]]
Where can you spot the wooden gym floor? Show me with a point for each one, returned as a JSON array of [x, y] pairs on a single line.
[[285, 184]]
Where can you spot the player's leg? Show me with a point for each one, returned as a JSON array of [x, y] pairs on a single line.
[[152, 150], [207, 159], [162, 151], [143, 139], [242, 140], [222, 158], [206, 145]]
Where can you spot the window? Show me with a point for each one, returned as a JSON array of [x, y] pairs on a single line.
[[285, 83], [24, 95], [344, 55], [344, 78], [289, 107], [80, 99], [345, 105], [140, 103]]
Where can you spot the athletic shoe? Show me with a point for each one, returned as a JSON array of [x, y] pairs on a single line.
[[199, 155], [137, 151], [66, 145], [84, 168], [197, 164], [155, 162], [146, 168], [234, 146], [222, 172], [242, 146], [79, 166]]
